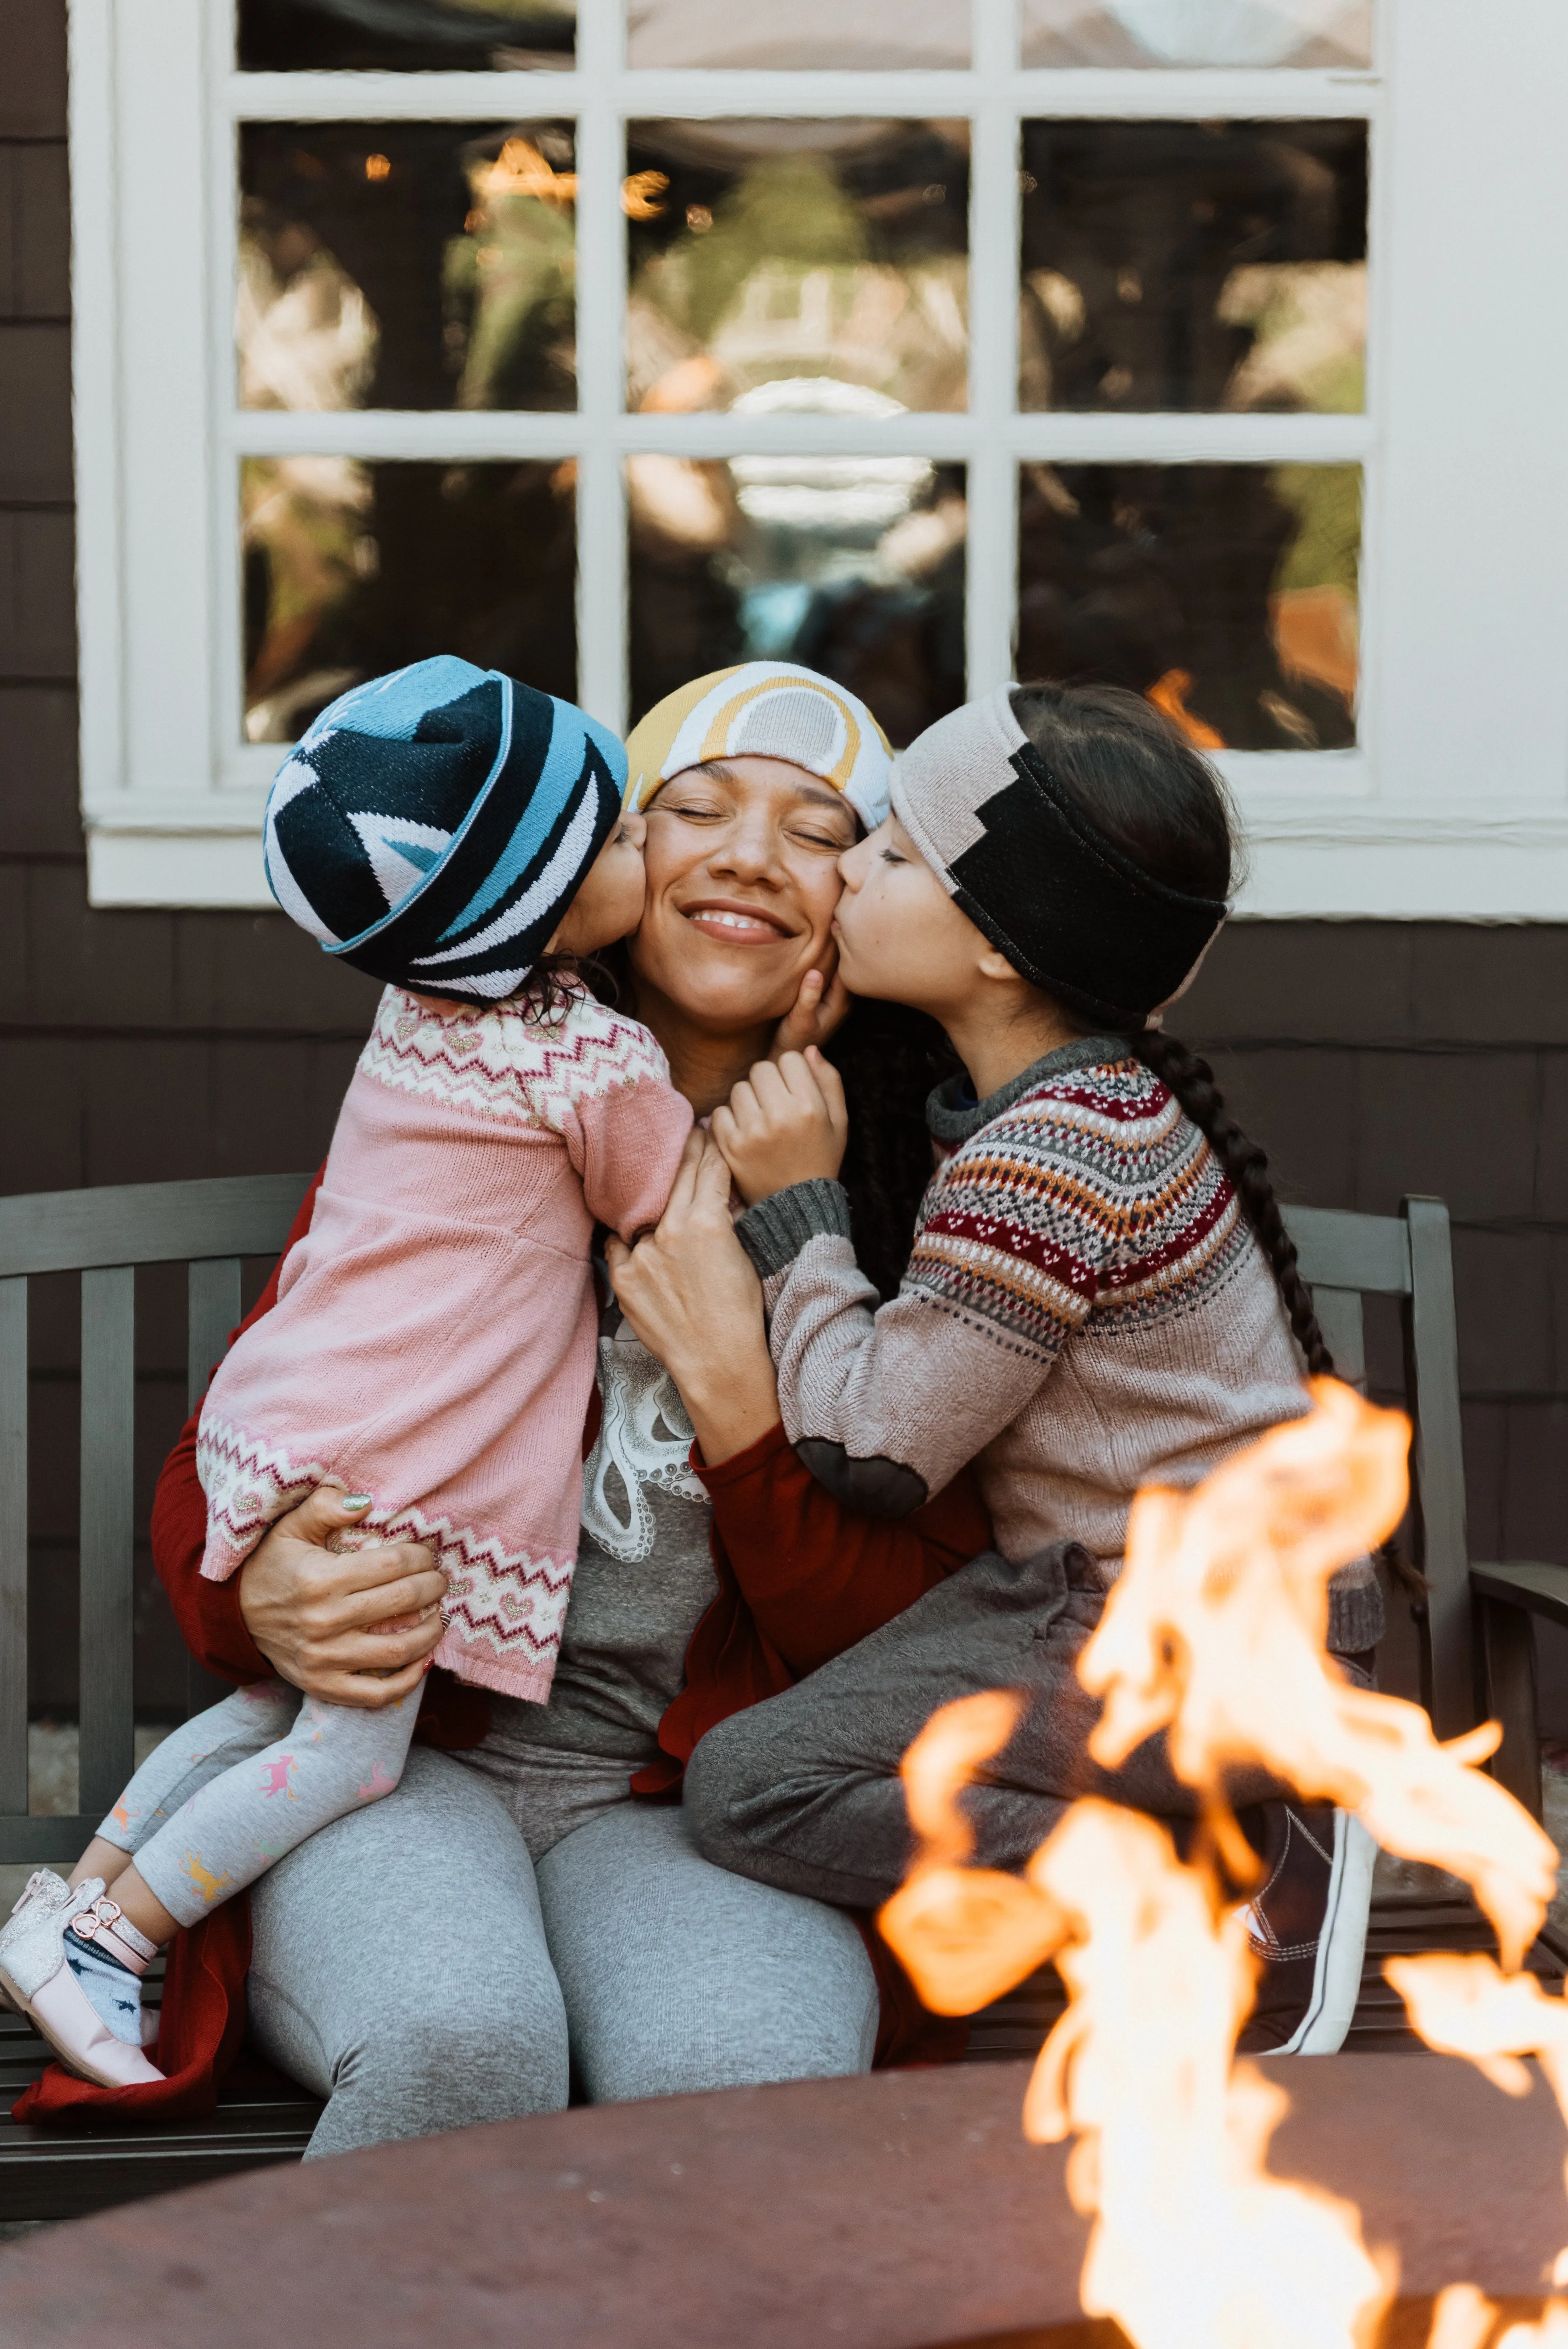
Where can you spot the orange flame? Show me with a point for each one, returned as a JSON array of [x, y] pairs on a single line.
[[1213, 1632]]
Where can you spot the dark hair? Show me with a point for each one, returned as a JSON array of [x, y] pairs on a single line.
[[1154, 797], [554, 979], [890, 1057], [1146, 788]]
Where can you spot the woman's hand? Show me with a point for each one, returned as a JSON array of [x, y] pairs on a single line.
[[355, 1627], [691, 1294], [783, 1125], [820, 1009]]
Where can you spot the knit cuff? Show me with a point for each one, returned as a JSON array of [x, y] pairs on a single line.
[[777, 1228]]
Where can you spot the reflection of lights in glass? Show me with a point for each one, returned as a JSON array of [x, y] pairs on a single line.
[[1227, 32], [698, 219], [377, 167], [520, 170], [640, 192], [825, 492]]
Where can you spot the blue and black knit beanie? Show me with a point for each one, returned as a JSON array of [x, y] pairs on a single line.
[[434, 825]]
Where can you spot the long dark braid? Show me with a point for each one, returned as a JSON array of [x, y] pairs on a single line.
[[1191, 1080], [1163, 806]]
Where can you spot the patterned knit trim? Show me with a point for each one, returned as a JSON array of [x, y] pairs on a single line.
[[1093, 1194], [999, 1239], [506, 1605], [248, 1484], [507, 1062]]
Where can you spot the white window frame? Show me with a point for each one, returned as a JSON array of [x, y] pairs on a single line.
[[1455, 800]]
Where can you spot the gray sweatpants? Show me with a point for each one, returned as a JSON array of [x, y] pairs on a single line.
[[411, 1964], [802, 1791], [224, 1797]]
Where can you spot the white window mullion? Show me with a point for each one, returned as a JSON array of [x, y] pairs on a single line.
[[991, 583], [601, 338], [222, 279]]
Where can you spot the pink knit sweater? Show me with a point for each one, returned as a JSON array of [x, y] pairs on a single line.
[[433, 1341]]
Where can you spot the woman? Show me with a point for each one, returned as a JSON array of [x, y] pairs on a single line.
[[604, 1933]]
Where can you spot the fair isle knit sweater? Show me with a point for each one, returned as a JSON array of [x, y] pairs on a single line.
[[1086, 1309], [433, 1338]]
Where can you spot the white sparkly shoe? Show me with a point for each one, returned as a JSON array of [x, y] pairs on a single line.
[[35, 1978], [44, 1890]]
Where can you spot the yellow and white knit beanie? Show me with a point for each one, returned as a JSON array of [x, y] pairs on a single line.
[[765, 709]]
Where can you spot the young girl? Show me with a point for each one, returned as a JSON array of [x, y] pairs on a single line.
[[1101, 1294], [432, 1347]]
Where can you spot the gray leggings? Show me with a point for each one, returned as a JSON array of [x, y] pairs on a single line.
[[412, 1965], [227, 1795]]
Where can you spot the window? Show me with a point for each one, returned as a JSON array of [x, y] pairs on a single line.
[[1191, 343]]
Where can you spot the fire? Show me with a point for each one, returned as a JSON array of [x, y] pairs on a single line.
[[1213, 1633]]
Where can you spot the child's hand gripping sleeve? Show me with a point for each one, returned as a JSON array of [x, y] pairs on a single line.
[[885, 1406]]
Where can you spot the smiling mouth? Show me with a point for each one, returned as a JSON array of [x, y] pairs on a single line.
[[736, 925]]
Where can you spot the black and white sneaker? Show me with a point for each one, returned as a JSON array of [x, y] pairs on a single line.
[[1308, 1928]]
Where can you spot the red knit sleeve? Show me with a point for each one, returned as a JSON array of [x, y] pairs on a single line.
[[208, 1613], [816, 1576]]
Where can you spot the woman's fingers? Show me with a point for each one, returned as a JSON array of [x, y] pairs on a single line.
[[369, 1688], [713, 1183], [799, 1026], [833, 1010], [416, 1595]]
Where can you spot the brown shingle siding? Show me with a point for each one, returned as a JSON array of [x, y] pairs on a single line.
[[33, 85], [38, 596], [35, 232]]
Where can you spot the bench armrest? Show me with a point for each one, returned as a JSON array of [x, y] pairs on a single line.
[[1539, 1589]]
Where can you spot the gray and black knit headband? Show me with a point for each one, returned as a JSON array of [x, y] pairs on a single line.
[[1019, 856]]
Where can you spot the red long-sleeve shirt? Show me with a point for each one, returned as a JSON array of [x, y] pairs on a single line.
[[800, 1579]]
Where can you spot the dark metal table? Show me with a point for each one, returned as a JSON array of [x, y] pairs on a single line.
[[884, 2213]]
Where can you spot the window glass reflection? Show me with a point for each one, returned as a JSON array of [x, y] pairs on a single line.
[[1228, 593], [806, 252], [353, 569], [807, 35], [404, 36], [406, 264], [1193, 266], [851, 565], [1322, 33]]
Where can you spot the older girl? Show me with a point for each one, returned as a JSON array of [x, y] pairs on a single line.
[[1101, 1294]]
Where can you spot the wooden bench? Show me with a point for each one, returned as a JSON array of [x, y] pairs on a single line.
[[1476, 1640], [104, 1235]]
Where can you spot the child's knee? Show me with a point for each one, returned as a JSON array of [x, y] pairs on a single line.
[[245, 1721], [384, 1772]]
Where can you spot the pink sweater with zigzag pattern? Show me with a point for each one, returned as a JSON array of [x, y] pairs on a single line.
[[433, 1341]]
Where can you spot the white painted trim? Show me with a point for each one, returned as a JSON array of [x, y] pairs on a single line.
[[693, 92], [188, 867], [601, 293], [1466, 467], [1051, 439], [94, 364]]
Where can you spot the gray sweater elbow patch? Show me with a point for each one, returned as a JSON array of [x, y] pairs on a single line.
[[777, 1228], [877, 1487]]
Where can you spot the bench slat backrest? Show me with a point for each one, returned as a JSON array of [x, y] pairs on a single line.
[[1344, 1257], [104, 1235]]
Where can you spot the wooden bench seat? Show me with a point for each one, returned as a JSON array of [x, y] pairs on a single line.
[[64, 2172]]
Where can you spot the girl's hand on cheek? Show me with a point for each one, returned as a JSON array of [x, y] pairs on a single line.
[[784, 1125], [819, 1010]]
